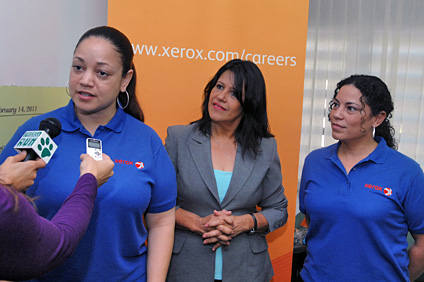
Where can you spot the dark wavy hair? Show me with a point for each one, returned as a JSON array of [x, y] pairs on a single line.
[[254, 124], [123, 46], [15, 196], [377, 96]]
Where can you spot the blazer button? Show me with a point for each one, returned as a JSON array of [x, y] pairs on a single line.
[[225, 248]]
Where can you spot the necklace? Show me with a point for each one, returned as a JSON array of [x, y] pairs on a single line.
[[216, 141]]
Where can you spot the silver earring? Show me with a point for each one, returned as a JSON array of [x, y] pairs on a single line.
[[373, 132], [128, 101], [66, 88]]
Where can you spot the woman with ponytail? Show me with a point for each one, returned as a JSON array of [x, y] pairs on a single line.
[[136, 207]]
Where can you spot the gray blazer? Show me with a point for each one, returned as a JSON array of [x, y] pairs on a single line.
[[255, 181]]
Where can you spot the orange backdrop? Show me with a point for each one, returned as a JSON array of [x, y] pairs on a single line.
[[179, 45]]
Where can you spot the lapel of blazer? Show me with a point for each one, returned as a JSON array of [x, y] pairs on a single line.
[[200, 149], [242, 170]]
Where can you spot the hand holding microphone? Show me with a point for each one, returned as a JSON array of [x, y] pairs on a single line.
[[19, 175], [31, 146], [39, 144]]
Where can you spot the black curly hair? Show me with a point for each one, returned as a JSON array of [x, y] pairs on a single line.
[[377, 96]]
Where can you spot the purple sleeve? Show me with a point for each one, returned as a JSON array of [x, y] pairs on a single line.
[[31, 245]]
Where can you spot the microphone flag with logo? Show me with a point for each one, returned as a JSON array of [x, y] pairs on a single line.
[[39, 144]]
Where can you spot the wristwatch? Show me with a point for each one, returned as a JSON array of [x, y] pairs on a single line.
[[255, 224]]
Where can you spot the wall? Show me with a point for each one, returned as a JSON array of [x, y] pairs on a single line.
[[38, 38], [36, 46]]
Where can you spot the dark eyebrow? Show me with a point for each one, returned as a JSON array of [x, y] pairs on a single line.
[[348, 103], [352, 103], [79, 59], [98, 63], [219, 81]]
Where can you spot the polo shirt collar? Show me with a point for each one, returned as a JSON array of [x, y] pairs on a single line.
[[70, 121], [379, 155]]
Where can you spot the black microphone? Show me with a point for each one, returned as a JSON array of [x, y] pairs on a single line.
[[39, 144]]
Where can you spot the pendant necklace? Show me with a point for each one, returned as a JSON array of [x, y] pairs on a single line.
[[216, 141]]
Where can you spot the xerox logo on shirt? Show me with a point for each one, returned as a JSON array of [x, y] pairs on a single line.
[[123, 162], [139, 165], [387, 191]]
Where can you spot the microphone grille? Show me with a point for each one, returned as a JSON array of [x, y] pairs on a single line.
[[52, 126]]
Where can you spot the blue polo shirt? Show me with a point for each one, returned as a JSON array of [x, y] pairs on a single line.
[[358, 222], [113, 248]]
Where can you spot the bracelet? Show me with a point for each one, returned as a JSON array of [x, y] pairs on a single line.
[[255, 224]]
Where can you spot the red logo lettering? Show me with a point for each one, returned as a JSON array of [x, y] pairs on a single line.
[[386, 191], [124, 162]]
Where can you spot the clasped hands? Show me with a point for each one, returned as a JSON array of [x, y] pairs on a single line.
[[220, 227]]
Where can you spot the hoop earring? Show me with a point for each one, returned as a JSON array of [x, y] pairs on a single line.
[[128, 101], [66, 88]]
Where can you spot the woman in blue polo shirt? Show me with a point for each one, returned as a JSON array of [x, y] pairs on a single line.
[[360, 196], [103, 105]]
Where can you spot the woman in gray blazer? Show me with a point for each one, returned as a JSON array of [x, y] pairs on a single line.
[[227, 164]]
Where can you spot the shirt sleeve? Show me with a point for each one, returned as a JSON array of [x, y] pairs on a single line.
[[303, 186], [274, 202], [31, 245], [164, 192], [414, 203]]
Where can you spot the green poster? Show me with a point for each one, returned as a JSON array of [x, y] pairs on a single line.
[[18, 104]]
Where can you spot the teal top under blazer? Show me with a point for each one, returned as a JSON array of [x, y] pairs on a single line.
[[255, 182]]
